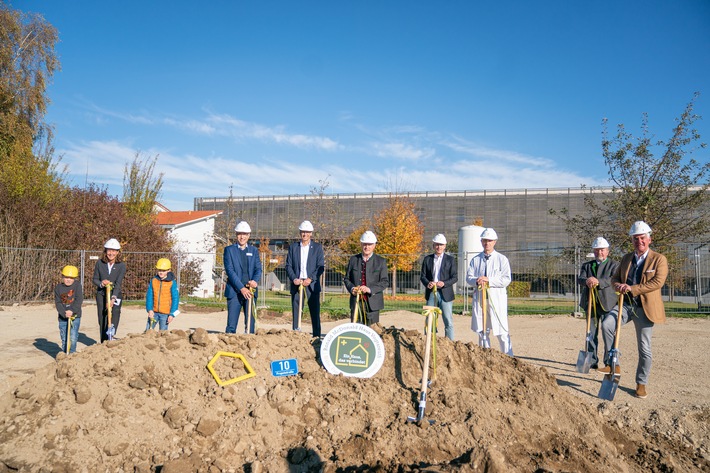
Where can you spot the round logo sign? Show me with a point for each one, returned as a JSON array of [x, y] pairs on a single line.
[[352, 350]]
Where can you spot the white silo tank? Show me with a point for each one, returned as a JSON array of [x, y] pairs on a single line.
[[469, 246]]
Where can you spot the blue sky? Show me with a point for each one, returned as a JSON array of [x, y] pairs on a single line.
[[271, 97]]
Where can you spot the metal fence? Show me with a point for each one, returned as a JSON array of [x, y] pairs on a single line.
[[547, 276]]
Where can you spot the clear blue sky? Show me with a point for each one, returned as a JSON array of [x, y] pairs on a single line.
[[273, 96]]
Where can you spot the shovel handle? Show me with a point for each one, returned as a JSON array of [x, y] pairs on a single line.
[[589, 310], [427, 351], [619, 315], [484, 306]]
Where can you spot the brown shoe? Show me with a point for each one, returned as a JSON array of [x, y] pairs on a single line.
[[607, 369], [641, 391]]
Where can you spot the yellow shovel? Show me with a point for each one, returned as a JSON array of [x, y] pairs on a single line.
[[111, 331], [484, 342]]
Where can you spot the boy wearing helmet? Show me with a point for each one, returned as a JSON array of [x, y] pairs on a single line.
[[68, 297], [305, 264], [243, 268], [640, 277], [595, 278], [367, 275], [109, 272], [162, 297]]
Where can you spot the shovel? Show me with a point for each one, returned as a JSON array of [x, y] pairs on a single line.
[[430, 314], [610, 383], [248, 320], [69, 321], [111, 331], [301, 290], [585, 357], [484, 342]]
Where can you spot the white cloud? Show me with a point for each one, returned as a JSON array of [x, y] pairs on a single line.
[[401, 151]]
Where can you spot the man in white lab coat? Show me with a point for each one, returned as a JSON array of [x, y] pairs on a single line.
[[489, 272]]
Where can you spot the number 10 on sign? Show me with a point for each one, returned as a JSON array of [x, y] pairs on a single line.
[[284, 367]]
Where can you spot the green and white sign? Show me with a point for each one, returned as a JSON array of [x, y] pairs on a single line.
[[352, 350]]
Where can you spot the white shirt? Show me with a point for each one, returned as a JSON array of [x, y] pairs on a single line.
[[437, 266], [304, 261]]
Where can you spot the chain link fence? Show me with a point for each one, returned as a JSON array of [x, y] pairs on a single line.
[[544, 280]]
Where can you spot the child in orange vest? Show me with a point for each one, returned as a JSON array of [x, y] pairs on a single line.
[[162, 297]]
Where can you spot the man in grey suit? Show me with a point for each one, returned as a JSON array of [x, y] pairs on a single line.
[[305, 264], [366, 275], [595, 277], [439, 271]]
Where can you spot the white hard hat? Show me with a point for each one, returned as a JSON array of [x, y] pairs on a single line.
[[305, 226], [112, 244], [639, 227], [489, 234], [600, 242], [368, 237], [242, 227], [440, 238]]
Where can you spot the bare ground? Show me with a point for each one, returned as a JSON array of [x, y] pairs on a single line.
[[147, 403]]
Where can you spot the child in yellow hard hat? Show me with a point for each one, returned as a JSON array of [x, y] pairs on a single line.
[[162, 297], [68, 297]]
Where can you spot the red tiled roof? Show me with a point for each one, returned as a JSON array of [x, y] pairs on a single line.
[[177, 218]]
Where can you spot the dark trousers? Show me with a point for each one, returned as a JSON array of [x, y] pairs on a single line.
[[235, 306], [313, 300], [103, 316]]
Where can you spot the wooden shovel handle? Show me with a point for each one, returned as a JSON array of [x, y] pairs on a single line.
[[618, 321]]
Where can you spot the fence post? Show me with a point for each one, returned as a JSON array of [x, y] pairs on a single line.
[[82, 255], [179, 265]]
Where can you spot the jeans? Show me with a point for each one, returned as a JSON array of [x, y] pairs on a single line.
[[162, 321], [73, 336], [644, 330], [447, 309]]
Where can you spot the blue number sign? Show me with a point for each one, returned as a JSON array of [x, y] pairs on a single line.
[[284, 367]]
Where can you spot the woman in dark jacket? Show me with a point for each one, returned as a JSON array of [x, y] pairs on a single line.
[[109, 270]]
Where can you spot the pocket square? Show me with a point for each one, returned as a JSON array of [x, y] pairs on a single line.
[[651, 271]]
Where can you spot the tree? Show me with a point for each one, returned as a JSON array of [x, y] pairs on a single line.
[[652, 180], [399, 235], [27, 63], [330, 226], [141, 190]]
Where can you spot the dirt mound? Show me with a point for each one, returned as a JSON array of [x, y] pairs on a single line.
[[148, 403]]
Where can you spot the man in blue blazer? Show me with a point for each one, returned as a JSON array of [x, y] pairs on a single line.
[[439, 270], [243, 267], [305, 264]]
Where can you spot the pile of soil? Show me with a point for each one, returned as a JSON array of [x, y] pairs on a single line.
[[147, 403]]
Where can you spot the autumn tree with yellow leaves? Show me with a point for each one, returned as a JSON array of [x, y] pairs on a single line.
[[399, 235]]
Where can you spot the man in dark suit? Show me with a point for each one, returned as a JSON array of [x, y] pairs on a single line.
[[640, 277], [367, 275], [595, 277], [305, 264], [439, 270], [243, 267]]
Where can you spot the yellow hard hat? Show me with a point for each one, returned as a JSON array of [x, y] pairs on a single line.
[[163, 264], [70, 271]]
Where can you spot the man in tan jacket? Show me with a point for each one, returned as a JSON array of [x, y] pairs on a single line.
[[640, 277]]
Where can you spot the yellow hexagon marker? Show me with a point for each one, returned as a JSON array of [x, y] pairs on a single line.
[[249, 370]]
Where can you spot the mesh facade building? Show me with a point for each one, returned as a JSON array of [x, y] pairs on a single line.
[[521, 216]]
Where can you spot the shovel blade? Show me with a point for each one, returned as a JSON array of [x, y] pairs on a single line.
[[584, 361], [610, 384]]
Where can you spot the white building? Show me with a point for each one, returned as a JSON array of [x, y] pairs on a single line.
[[193, 234]]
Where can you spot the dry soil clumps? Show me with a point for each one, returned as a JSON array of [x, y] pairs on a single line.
[[148, 403]]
